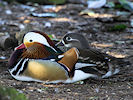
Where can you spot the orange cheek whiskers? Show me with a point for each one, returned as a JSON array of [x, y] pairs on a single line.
[[35, 51], [28, 44]]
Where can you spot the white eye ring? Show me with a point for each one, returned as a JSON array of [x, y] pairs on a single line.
[[69, 39]]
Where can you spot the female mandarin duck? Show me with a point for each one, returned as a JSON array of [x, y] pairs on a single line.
[[38, 59], [106, 64]]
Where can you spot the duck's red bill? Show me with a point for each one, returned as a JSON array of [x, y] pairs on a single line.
[[21, 46]]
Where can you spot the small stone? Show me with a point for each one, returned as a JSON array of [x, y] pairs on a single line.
[[48, 24], [56, 90], [8, 12], [97, 90]]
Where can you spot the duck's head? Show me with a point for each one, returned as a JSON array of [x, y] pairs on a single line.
[[74, 40], [36, 45]]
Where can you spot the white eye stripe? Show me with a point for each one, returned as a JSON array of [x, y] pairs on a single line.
[[71, 39], [36, 38], [68, 38]]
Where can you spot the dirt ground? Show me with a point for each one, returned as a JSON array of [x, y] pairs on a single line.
[[14, 17]]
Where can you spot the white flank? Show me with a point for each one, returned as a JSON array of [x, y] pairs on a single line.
[[78, 76], [24, 78], [29, 79], [80, 65]]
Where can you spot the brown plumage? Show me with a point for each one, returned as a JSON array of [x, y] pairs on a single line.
[[36, 51]]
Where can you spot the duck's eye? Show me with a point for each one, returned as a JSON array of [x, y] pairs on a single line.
[[68, 38], [30, 40]]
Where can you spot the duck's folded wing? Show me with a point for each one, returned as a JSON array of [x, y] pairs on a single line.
[[95, 55]]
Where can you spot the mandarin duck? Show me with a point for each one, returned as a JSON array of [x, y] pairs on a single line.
[[105, 64], [38, 59]]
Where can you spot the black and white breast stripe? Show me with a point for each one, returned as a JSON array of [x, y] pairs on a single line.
[[20, 67]]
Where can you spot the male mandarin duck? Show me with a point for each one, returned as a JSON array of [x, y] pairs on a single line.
[[38, 59], [106, 64]]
